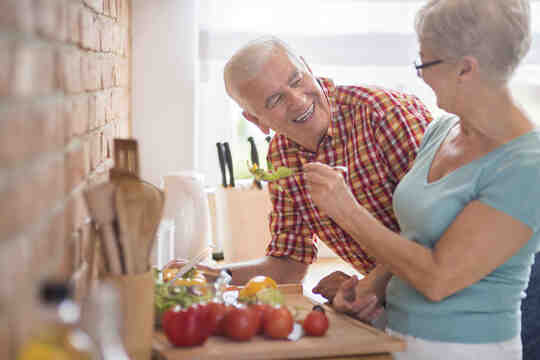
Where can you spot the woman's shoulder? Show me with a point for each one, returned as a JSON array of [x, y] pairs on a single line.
[[438, 127]]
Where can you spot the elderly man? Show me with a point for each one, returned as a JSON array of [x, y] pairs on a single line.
[[374, 133]]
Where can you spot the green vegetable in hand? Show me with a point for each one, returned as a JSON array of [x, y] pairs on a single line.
[[270, 175]]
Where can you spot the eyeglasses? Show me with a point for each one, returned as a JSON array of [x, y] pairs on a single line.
[[419, 66]]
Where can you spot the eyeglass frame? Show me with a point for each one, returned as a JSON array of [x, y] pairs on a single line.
[[419, 66]]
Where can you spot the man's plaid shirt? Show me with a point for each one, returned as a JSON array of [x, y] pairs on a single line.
[[375, 133]]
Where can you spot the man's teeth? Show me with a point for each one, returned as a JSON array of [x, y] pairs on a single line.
[[305, 115]]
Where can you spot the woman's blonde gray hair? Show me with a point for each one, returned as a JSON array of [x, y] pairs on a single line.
[[496, 32]]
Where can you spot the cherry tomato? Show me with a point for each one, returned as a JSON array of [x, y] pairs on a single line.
[[260, 311], [316, 322], [186, 327], [240, 324], [278, 323], [216, 314]]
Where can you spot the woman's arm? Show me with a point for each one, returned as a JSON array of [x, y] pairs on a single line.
[[479, 240]]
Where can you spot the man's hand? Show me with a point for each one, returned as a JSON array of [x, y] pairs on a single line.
[[208, 271], [328, 286], [357, 298]]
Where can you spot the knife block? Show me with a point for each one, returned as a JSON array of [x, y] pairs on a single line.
[[242, 221]]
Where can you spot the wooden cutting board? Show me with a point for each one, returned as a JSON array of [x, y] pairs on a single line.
[[345, 336]]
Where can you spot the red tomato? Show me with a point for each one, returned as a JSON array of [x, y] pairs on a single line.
[[186, 327], [260, 311], [240, 324], [316, 323], [278, 323], [215, 314]]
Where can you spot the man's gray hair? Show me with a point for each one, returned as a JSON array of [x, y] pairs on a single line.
[[247, 62], [496, 32]]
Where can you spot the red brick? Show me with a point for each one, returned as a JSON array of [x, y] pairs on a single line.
[[76, 116], [77, 168], [34, 70], [6, 66], [73, 21], [123, 11], [95, 150], [108, 137], [31, 196], [106, 35], [107, 72], [28, 131], [108, 105], [18, 15], [51, 21], [124, 41], [96, 5], [100, 100], [68, 67], [89, 30], [107, 7], [90, 74], [113, 8]]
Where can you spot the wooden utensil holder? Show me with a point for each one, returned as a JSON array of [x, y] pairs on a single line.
[[136, 297]]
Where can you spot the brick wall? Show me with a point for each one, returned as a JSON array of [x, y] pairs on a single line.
[[65, 94]]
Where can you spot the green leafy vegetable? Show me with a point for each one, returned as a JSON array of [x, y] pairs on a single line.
[[270, 175]]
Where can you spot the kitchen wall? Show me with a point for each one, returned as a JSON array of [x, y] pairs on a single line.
[[64, 95]]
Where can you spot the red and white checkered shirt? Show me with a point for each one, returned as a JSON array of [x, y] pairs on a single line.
[[375, 133]]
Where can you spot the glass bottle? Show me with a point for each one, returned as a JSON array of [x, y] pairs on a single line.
[[59, 335]]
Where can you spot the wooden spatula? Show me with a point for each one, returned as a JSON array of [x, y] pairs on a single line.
[[139, 206], [101, 205]]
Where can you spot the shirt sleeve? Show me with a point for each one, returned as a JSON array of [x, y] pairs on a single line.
[[511, 187], [398, 132], [291, 235]]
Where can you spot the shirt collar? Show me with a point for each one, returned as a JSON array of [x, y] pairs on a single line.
[[329, 90]]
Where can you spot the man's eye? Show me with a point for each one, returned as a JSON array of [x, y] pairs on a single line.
[[275, 100], [296, 82]]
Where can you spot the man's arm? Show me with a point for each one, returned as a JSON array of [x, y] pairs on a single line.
[[283, 270]]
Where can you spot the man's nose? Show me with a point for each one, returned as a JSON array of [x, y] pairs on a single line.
[[297, 99]]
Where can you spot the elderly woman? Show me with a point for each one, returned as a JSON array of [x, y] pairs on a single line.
[[469, 207]]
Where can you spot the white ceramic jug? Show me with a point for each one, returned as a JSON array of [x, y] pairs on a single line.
[[186, 217]]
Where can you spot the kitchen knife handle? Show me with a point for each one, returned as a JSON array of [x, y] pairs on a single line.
[[254, 158], [221, 158], [254, 154], [228, 160]]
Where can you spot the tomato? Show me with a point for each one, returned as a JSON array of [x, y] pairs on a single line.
[[186, 327], [260, 311], [316, 322], [278, 323], [215, 314], [240, 324]]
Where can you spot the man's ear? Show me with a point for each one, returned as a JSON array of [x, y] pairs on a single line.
[[306, 65], [255, 120]]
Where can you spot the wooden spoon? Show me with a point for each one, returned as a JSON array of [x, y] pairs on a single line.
[[101, 205], [139, 206]]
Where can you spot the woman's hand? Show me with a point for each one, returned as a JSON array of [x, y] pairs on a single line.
[[328, 189], [357, 298]]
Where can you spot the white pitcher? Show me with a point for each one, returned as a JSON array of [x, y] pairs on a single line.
[[186, 219]]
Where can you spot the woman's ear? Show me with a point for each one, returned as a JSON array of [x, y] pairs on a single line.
[[468, 67], [255, 120]]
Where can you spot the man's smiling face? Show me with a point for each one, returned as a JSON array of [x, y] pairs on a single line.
[[285, 97]]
